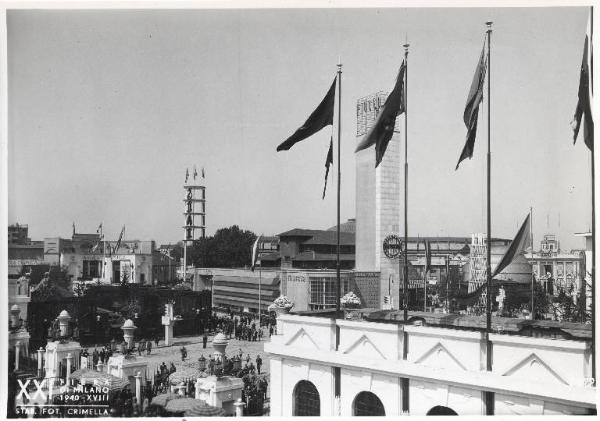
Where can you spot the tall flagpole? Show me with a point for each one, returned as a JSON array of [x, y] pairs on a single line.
[[405, 268], [259, 291], [405, 381], [532, 274], [447, 282], [489, 395], [339, 176], [425, 292], [591, 76]]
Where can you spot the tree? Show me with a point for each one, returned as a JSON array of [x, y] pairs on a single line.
[[514, 302], [540, 302], [55, 284], [584, 314], [566, 309], [228, 248]]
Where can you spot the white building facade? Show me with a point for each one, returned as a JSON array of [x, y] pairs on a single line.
[[444, 368]]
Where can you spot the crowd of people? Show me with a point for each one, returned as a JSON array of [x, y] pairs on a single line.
[[239, 326]]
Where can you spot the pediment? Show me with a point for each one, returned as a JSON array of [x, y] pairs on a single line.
[[364, 346], [302, 339], [534, 367], [439, 356]]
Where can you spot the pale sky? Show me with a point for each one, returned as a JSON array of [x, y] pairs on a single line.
[[108, 108]]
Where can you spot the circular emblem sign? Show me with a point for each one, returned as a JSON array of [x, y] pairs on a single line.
[[392, 246]]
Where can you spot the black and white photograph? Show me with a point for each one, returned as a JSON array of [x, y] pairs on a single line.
[[330, 209]]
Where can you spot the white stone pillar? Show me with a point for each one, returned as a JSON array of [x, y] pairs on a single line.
[[17, 354], [197, 389], [167, 321], [40, 353], [138, 386], [14, 316], [49, 364], [128, 328], [239, 407], [69, 360], [168, 335], [63, 322]]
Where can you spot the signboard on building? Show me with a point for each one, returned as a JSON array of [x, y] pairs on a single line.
[[367, 110]]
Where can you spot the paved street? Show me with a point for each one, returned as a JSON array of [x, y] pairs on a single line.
[[193, 344]]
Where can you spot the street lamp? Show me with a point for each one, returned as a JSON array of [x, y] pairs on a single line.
[[202, 363], [137, 323], [237, 363], [97, 327], [219, 367], [198, 321]]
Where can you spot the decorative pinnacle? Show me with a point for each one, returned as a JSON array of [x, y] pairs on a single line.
[[489, 25]]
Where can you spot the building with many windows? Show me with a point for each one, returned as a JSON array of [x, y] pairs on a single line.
[[314, 289], [87, 258], [238, 289], [557, 269], [311, 249], [18, 234]]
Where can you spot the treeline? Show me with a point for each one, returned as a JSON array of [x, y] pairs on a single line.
[[228, 248]]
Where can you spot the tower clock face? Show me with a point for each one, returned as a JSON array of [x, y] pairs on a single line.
[[392, 246]]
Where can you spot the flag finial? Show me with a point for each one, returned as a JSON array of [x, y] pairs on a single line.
[[489, 25]]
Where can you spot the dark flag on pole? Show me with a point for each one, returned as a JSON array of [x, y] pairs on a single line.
[[321, 117], [427, 256], [517, 246], [584, 103], [118, 244], [472, 108], [255, 254], [383, 129], [328, 162]]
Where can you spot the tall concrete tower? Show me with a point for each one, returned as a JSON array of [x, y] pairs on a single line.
[[194, 212], [378, 209]]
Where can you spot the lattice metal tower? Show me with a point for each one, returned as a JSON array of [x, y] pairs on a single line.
[[194, 213], [478, 267]]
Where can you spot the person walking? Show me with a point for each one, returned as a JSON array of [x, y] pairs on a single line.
[[204, 340], [148, 347], [156, 340], [211, 365], [258, 363], [183, 353]]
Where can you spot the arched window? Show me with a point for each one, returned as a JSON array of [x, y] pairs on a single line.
[[306, 400], [367, 404], [441, 410]]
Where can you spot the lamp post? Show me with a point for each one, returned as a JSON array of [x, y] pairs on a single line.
[[128, 329], [237, 363], [219, 367], [63, 322], [97, 327], [198, 320], [137, 323]]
